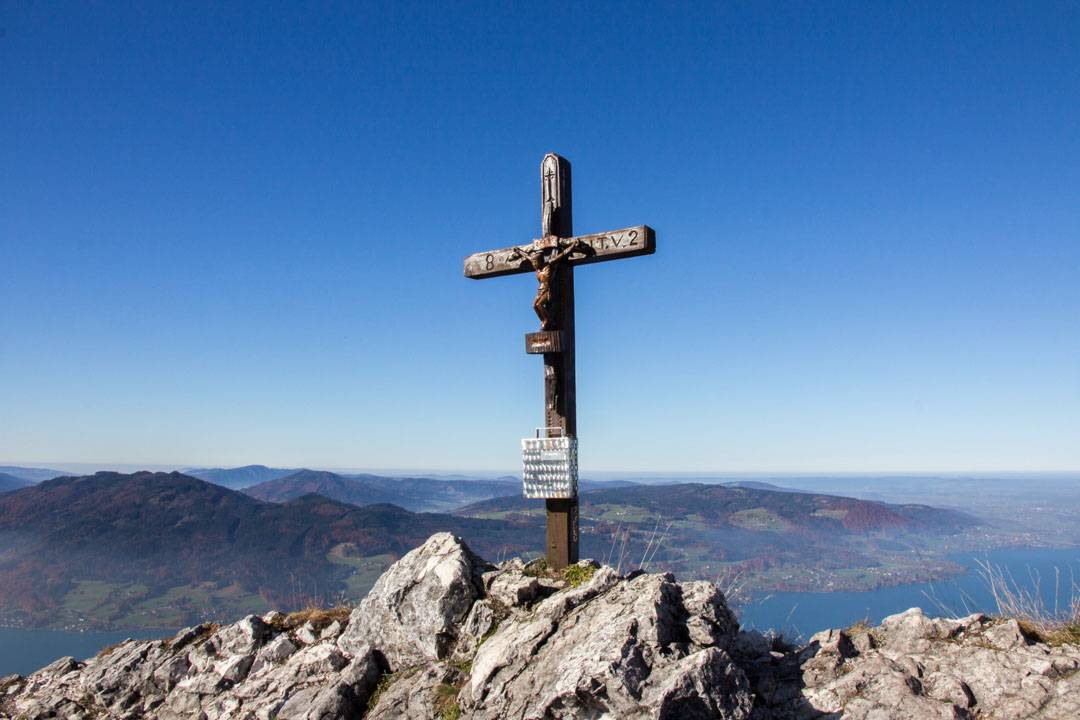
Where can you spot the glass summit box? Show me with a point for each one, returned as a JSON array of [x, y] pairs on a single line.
[[549, 466]]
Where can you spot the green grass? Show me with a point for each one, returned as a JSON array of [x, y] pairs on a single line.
[[839, 514], [385, 681], [91, 594], [622, 513], [130, 607], [758, 519], [367, 569], [578, 574], [446, 704]]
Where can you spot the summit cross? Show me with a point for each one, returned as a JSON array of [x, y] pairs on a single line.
[[553, 257]]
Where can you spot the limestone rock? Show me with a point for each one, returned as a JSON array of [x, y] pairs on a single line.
[[912, 666], [418, 693], [613, 648], [510, 586], [415, 610], [244, 670]]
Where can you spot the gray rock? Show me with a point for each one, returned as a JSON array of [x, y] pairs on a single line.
[[610, 648], [912, 666], [444, 634], [243, 670], [306, 634], [512, 587], [480, 621], [414, 612], [418, 693]]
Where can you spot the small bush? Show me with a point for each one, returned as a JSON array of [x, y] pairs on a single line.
[[578, 574]]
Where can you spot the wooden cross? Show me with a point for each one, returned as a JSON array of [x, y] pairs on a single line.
[[553, 257]]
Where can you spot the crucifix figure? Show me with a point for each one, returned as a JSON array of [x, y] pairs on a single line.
[[553, 258], [545, 266]]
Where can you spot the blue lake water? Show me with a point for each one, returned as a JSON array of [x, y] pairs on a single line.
[[24, 651], [804, 613]]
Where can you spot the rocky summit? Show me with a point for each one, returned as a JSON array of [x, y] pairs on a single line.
[[444, 634]]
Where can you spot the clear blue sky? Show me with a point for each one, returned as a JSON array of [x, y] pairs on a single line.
[[235, 235]]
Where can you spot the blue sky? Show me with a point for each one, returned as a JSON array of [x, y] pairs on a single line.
[[235, 234]]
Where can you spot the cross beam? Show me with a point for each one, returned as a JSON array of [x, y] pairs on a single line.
[[553, 258], [598, 247]]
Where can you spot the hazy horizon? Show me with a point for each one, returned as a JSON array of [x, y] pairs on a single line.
[[88, 468]]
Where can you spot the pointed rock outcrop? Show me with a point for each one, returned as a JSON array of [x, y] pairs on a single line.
[[416, 609]]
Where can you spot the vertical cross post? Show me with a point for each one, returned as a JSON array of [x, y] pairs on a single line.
[[552, 258], [560, 397]]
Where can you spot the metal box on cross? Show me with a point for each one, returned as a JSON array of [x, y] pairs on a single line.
[[549, 467]]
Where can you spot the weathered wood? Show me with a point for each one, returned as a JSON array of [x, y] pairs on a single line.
[[560, 382], [562, 532], [545, 341], [553, 258], [610, 245]]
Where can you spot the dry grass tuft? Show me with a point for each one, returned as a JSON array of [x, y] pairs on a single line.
[[108, 649], [319, 618], [1053, 626], [204, 631], [731, 583], [1054, 633]]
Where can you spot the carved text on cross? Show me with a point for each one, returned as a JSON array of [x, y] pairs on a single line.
[[597, 247], [549, 178]]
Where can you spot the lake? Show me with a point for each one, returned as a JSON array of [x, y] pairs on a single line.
[[24, 651], [796, 613], [801, 614]]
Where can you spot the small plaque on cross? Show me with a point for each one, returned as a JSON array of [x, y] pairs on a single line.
[[545, 341]]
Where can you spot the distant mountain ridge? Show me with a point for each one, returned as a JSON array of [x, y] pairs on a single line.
[[418, 494], [238, 478], [10, 482], [719, 504], [32, 475], [164, 549], [774, 539], [415, 494]]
